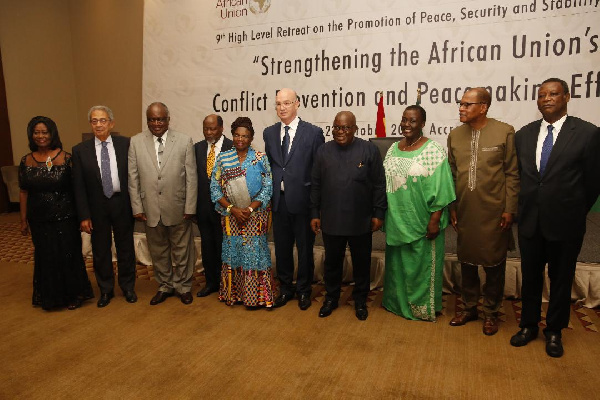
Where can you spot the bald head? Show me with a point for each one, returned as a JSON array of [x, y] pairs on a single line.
[[212, 128], [286, 104]]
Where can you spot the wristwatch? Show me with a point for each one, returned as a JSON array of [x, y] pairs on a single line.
[[229, 207], [251, 209]]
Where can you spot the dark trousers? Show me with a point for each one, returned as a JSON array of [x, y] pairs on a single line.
[[287, 229], [360, 252], [561, 257], [211, 236], [114, 217], [493, 290]]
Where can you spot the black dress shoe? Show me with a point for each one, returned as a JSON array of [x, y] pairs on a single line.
[[327, 308], [361, 311], [304, 301], [130, 296], [160, 297], [104, 299], [186, 298], [524, 336], [282, 300], [206, 290], [554, 346]]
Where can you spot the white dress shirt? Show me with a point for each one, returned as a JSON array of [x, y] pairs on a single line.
[[292, 132], [542, 136], [156, 144], [218, 146]]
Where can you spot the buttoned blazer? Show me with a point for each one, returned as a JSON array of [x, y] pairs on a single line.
[[87, 181], [163, 193], [204, 205], [560, 199], [296, 169]]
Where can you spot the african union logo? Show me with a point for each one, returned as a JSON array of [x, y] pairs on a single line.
[[259, 6]]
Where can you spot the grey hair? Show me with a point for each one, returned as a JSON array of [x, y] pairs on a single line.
[[102, 108], [158, 103]]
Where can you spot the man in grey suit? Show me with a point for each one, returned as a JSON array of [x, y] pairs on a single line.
[[163, 188]]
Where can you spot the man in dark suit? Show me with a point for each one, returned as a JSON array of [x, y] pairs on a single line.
[[103, 206], [291, 146], [560, 181], [348, 203], [209, 221]]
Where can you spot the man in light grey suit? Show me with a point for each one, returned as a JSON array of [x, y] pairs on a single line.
[[163, 187]]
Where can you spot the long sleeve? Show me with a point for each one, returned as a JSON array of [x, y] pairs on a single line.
[[134, 181], [377, 173], [79, 187], [191, 179], [511, 173]]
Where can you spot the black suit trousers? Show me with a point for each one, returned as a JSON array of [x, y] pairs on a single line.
[[561, 257], [287, 229], [114, 217], [211, 236], [360, 252]]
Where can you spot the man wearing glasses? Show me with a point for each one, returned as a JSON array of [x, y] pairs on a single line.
[[348, 204], [482, 156], [163, 187], [291, 145], [103, 206]]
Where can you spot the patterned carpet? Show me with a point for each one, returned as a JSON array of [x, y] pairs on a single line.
[[16, 248]]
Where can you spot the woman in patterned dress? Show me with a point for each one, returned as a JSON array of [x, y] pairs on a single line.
[[419, 186], [48, 212], [241, 187]]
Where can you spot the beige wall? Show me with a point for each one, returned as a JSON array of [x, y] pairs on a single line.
[[60, 57]]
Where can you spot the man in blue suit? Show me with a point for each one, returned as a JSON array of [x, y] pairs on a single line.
[[291, 146]]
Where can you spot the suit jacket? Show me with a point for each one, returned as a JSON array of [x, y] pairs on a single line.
[[295, 170], [204, 205], [168, 192], [87, 181], [560, 199]]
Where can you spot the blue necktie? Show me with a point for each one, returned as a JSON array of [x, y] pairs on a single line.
[[285, 143], [546, 150], [107, 186]]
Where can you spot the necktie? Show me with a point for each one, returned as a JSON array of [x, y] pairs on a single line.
[[161, 148], [546, 150], [107, 186], [285, 143], [210, 160]]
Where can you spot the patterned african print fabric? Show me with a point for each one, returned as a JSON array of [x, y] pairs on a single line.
[[246, 269], [418, 183]]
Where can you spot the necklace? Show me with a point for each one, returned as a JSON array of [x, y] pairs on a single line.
[[48, 161], [406, 146]]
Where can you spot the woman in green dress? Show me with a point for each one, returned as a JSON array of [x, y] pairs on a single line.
[[419, 186]]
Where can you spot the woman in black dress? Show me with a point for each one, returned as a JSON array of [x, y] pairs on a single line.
[[48, 211]]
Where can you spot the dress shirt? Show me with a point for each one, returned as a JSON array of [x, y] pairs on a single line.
[[542, 135], [218, 145], [292, 132], [114, 170], [164, 143]]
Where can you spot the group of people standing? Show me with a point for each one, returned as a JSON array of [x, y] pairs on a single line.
[[303, 186]]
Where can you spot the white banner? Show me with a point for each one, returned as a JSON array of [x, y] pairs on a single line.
[[230, 56]]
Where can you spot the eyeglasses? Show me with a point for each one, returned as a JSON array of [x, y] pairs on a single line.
[[238, 136], [284, 104], [159, 121], [466, 104], [101, 121], [344, 129]]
